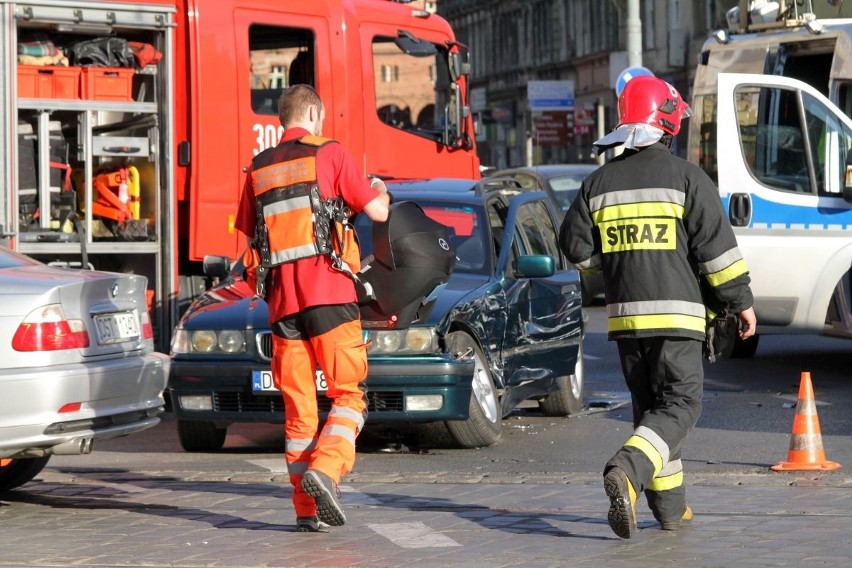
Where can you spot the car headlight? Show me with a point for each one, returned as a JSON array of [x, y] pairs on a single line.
[[208, 341], [412, 341], [203, 340], [231, 341]]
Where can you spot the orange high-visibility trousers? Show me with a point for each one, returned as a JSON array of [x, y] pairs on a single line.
[[328, 337]]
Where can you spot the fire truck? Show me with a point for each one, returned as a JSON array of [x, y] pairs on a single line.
[[126, 127], [772, 99]]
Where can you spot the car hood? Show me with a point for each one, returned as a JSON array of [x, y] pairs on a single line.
[[456, 290], [229, 305], [233, 304]]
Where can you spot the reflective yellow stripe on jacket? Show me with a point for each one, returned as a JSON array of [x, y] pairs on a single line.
[[656, 314]]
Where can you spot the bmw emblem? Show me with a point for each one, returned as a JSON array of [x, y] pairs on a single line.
[[114, 290], [444, 244]]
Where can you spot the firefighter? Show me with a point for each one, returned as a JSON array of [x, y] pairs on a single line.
[[295, 208], [654, 225]]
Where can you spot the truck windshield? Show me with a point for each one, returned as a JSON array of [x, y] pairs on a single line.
[[411, 89]]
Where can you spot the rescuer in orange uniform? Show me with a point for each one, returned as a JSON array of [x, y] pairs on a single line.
[[294, 209]]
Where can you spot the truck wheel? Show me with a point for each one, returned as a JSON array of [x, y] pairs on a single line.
[[569, 398], [485, 424], [16, 472], [745, 348], [198, 436]]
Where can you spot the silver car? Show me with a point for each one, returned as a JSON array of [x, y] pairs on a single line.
[[77, 363]]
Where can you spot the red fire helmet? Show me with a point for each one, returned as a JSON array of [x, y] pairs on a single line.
[[650, 100]]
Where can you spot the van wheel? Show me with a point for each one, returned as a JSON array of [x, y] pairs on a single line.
[[16, 472], [485, 424], [569, 398], [198, 436], [745, 348]]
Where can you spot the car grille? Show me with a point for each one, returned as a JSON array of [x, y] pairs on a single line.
[[242, 402], [264, 345]]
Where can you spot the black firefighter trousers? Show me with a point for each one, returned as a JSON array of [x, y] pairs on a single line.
[[665, 376]]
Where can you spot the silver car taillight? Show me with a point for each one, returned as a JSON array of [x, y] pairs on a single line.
[[47, 329]]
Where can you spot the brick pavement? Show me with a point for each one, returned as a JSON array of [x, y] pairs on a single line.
[[105, 517]]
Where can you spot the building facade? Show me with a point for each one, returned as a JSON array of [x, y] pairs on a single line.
[[519, 47]]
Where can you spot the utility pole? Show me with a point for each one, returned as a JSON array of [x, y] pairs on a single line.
[[634, 34], [633, 28]]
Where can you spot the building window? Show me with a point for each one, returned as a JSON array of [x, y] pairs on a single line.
[[276, 77], [390, 73]]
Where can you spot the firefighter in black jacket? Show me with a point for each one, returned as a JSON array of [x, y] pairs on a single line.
[[654, 225]]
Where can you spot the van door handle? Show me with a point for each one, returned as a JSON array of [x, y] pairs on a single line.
[[739, 209]]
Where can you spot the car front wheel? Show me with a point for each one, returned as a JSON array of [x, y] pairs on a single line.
[[485, 424], [16, 472], [199, 436], [568, 399]]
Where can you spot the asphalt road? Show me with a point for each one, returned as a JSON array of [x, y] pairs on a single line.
[[745, 427], [532, 500]]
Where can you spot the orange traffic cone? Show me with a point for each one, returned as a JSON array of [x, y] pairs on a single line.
[[806, 451]]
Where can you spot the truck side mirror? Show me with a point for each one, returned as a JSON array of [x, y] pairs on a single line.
[[455, 116], [413, 45], [459, 63]]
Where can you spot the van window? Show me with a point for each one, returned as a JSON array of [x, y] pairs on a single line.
[[830, 141], [772, 138], [278, 57], [410, 89], [703, 132]]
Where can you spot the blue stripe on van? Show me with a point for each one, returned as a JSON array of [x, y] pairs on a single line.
[[773, 215]]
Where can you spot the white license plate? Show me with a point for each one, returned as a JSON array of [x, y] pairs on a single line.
[[261, 382], [115, 328]]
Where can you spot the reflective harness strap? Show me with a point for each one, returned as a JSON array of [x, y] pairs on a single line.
[[287, 192], [339, 213], [336, 212]]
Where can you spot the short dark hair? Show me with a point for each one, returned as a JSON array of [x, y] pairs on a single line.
[[294, 103]]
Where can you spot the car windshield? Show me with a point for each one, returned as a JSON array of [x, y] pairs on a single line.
[[467, 229], [565, 188]]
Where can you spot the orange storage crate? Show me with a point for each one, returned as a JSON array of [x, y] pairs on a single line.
[[48, 82], [107, 83]]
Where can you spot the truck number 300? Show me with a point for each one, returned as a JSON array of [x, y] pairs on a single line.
[[267, 136]]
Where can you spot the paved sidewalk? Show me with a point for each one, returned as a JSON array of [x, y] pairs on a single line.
[[96, 518]]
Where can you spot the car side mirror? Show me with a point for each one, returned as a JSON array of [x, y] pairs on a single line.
[[216, 266], [534, 266]]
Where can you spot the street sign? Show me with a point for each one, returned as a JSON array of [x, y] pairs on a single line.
[[551, 128], [550, 95], [628, 74]]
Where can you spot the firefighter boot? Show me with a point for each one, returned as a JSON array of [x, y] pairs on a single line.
[[622, 503], [677, 523], [324, 491]]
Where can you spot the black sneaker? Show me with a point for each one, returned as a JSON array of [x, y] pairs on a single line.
[[324, 491], [622, 503], [310, 524]]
